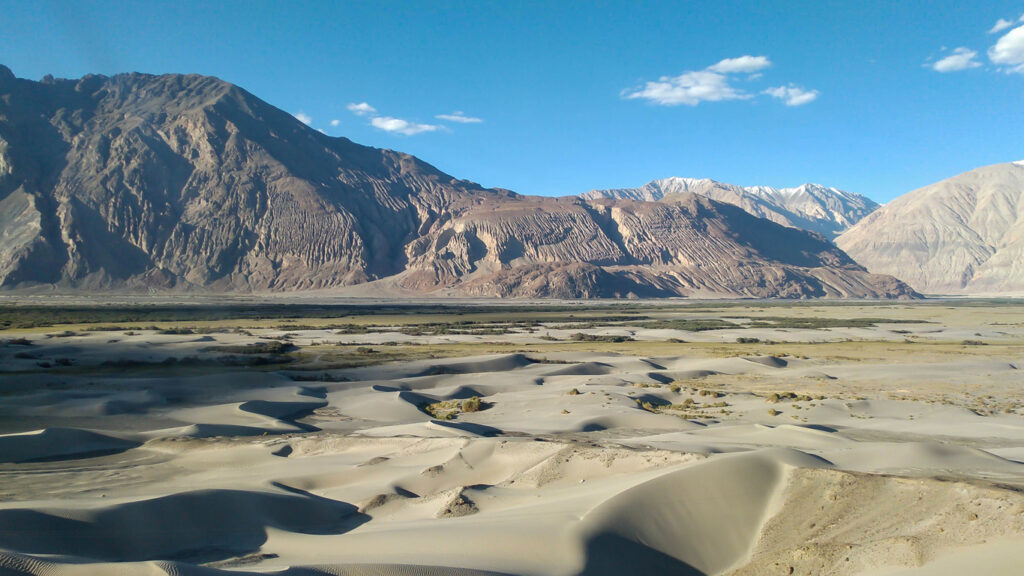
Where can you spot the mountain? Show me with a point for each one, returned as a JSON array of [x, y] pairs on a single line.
[[961, 235], [184, 182], [827, 211]]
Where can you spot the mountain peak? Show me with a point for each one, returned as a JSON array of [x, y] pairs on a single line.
[[813, 207]]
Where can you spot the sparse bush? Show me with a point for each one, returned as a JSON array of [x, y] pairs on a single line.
[[581, 337], [688, 324], [574, 392], [179, 331], [748, 340], [270, 347], [773, 412], [471, 404], [776, 397]]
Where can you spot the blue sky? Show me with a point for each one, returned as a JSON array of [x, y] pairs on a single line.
[[873, 97]]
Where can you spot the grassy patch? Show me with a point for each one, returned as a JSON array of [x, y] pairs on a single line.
[[689, 324], [271, 347], [816, 323], [581, 337]]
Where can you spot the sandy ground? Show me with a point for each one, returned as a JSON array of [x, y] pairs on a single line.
[[894, 449]]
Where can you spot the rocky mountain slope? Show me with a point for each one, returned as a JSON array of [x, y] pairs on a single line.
[[961, 235], [187, 182], [827, 211]]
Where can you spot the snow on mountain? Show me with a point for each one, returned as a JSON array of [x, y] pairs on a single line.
[[828, 211]]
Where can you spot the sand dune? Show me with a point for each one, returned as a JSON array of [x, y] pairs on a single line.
[[59, 443], [822, 458]]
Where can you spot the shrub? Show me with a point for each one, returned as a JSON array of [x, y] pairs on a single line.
[[471, 404], [176, 331], [581, 337]]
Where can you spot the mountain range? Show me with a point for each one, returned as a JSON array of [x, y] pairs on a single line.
[[827, 211], [963, 235], [185, 182]]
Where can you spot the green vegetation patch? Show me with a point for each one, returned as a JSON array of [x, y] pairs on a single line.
[[815, 323], [271, 347], [689, 324], [581, 337]]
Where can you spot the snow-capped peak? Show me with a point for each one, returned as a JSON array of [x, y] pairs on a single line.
[[812, 206]]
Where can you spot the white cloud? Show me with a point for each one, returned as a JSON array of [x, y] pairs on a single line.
[[1008, 51], [961, 59], [389, 124], [335, 122], [690, 88], [746, 64], [361, 109], [714, 84], [793, 95], [458, 116], [1001, 25], [304, 118]]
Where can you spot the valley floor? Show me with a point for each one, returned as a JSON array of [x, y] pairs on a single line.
[[740, 438]]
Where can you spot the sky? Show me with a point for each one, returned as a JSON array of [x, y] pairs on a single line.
[[557, 98]]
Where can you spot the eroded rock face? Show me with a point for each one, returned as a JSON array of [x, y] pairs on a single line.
[[961, 235], [565, 247], [187, 182]]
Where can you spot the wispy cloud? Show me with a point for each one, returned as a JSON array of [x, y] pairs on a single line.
[[742, 64], [458, 116], [1008, 51], [304, 118], [400, 125], [714, 84], [961, 59], [335, 122], [361, 109], [690, 88], [389, 124], [793, 95], [1003, 24]]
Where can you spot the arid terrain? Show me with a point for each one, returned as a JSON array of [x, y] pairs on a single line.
[[288, 437]]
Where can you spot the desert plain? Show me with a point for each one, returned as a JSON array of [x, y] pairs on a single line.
[[669, 437]]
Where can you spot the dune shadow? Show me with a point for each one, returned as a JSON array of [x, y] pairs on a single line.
[[478, 429], [613, 555], [199, 526], [56, 444]]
